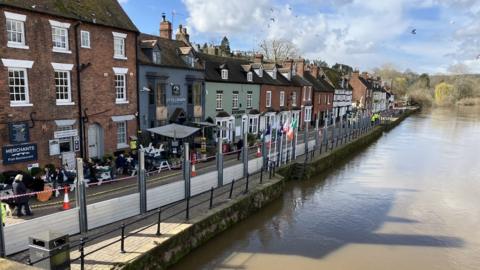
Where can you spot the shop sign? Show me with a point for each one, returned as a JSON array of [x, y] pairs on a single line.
[[65, 133], [19, 153], [19, 132], [54, 147], [176, 101]]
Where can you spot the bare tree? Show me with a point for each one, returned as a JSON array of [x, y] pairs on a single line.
[[278, 49]]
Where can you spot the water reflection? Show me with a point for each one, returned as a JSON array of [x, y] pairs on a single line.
[[410, 201]]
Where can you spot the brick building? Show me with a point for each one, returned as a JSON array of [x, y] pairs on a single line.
[[362, 96], [323, 94], [49, 51]]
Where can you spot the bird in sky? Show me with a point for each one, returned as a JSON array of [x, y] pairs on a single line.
[[272, 19], [414, 31]]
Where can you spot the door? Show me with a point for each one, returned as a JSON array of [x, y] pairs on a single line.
[[93, 141]]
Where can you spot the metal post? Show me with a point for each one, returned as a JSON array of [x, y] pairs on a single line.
[[211, 197], [220, 161], [270, 166], [231, 189], [142, 184], [245, 153], [261, 175], [159, 221], [81, 199], [122, 242], [2, 237], [82, 254], [306, 141], [187, 215], [264, 151], [186, 168], [246, 184]]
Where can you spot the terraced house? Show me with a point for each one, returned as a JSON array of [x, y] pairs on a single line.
[[342, 99], [171, 79], [323, 94], [232, 91], [67, 80]]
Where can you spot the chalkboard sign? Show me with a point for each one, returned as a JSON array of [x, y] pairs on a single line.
[[19, 153], [18, 132]]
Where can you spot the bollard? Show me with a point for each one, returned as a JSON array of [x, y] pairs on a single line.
[[220, 162], [2, 237], [142, 185], [159, 222], [187, 215], [81, 199], [261, 175], [211, 198], [270, 168], [186, 168], [122, 243], [246, 184], [82, 253], [231, 189]]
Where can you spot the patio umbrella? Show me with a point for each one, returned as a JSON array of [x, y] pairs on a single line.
[[174, 131]]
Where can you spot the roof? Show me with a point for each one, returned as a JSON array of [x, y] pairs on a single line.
[[237, 69], [365, 82], [171, 52], [335, 78], [102, 12], [319, 84], [300, 81]]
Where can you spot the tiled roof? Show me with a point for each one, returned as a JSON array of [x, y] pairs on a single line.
[[170, 52], [102, 12], [319, 84], [235, 66]]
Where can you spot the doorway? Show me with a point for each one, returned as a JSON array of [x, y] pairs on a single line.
[[95, 142]]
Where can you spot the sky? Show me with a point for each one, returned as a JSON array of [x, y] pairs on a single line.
[[364, 34]]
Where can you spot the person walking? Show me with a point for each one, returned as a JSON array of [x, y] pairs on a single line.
[[239, 148], [19, 189]]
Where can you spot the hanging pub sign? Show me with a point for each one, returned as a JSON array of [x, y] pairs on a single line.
[[19, 132], [19, 153]]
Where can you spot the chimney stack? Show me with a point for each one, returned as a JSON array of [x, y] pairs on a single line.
[[314, 70], [182, 35], [300, 63], [165, 28], [258, 58]]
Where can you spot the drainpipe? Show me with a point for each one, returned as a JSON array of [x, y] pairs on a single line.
[[79, 92], [138, 83]]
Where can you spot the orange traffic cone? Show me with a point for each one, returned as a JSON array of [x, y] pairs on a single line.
[[259, 153], [194, 172], [66, 201]]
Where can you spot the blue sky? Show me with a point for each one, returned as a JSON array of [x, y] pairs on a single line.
[[363, 34]]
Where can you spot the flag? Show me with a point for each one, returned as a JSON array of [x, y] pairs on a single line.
[[293, 127], [286, 126]]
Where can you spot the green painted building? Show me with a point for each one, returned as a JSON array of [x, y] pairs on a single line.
[[232, 96]]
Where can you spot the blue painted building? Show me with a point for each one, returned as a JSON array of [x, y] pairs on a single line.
[[171, 79]]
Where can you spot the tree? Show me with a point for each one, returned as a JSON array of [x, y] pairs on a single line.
[[342, 68], [444, 93], [278, 50]]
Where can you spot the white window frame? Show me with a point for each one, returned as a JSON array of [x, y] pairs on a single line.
[[224, 74], [19, 103], [156, 56], [85, 38], [308, 114], [294, 98], [268, 99], [119, 37], [121, 72], [235, 101], [249, 100], [68, 101], [19, 20], [250, 76], [55, 25], [19, 65], [282, 98], [219, 101], [253, 124], [122, 134]]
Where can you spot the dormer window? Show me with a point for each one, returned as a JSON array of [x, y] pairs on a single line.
[[250, 76], [156, 57], [224, 74], [274, 74]]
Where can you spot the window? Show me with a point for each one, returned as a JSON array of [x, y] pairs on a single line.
[[119, 45], [15, 25], [156, 56], [18, 85], [268, 99], [294, 99], [253, 125], [325, 99], [197, 94], [235, 100], [85, 39], [309, 95], [249, 100], [219, 101], [328, 99], [151, 93], [250, 76], [62, 87], [66, 143], [60, 38], [224, 74], [274, 74], [190, 94], [122, 134], [308, 114], [282, 98], [223, 127], [304, 91], [161, 95], [120, 88]]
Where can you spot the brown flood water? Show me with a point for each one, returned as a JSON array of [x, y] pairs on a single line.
[[410, 201]]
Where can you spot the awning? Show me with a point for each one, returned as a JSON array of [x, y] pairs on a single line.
[[175, 131]]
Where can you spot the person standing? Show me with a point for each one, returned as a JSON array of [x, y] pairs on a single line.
[[239, 148], [19, 189]]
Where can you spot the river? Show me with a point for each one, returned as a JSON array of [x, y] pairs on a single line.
[[409, 201]]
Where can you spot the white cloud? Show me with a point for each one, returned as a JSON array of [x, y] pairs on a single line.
[[364, 34]]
